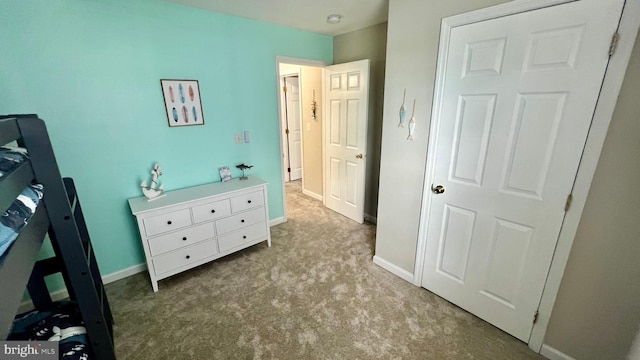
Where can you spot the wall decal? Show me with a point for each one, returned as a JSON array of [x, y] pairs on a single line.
[[402, 112], [314, 106], [412, 122]]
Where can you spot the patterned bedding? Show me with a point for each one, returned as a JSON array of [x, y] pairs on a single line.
[[17, 215], [62, 322], [10, 158]]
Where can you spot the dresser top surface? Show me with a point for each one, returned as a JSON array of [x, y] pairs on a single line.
[[174, 197]]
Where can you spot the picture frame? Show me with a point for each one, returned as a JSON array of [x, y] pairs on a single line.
[[182, 102], [225, 173]]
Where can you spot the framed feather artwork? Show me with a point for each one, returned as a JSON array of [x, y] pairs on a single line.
[[182, 102]]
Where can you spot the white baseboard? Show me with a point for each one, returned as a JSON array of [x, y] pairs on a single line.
[[370, 218], [394, 269], [118, 275], [554, 354], [106, 279], [312, 194], [276, 221]]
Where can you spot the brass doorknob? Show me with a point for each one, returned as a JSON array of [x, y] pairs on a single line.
[[359, 156], [439, 189]]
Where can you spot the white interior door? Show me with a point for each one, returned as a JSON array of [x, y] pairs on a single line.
[[294, 127], [346, 103], [510, 122]]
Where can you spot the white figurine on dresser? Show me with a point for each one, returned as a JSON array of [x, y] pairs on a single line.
[[192, 226]]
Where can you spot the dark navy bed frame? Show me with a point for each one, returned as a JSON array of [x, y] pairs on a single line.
[[59, 213]]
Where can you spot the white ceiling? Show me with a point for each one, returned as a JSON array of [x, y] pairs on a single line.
[[309, 15]]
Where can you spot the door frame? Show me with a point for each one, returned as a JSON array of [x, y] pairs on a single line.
[[284, 138], [291, 61], [614, 75]]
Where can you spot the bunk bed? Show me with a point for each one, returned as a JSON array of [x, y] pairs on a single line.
[[30, 180]]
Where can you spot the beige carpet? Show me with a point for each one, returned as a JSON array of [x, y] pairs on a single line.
[[315, 294]]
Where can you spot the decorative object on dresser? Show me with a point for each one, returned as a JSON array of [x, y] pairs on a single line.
[[150, 191], [244, 167], [192, 226], [182, 102], [225, 173]]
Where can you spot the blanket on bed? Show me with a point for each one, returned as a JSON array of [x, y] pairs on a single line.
[[62, 322], [10, 158], [17, 216]]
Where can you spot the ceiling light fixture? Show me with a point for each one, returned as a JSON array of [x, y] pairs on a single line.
[[334, 18]]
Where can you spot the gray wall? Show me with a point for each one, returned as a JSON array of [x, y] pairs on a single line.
[[634, 353], [597, 312], [369, 43], [412, 51]]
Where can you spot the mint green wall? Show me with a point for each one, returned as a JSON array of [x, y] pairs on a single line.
[[92, 70]]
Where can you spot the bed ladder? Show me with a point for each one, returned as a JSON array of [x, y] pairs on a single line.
[[70, 238]]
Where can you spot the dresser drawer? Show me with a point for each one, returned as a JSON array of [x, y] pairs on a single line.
[[180, 238], [211, 211], [184, 257], [250, 233], [239, 221], [167, 222], [247, 201]]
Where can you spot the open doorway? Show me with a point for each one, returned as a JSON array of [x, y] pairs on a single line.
[[301, 126], [332, 142]]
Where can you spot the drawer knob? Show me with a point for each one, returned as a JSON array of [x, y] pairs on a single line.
[[184, 238], [242, 220], [169, 222], [249, 201], [244, 236], [188, 256], [213, 211]]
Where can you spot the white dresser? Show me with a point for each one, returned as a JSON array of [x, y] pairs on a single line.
[[192, 226]]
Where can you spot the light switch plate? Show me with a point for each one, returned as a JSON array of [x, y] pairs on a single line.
[[246, 137], [238, 138]]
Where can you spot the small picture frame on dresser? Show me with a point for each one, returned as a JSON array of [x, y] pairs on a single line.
[[225, 173]]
